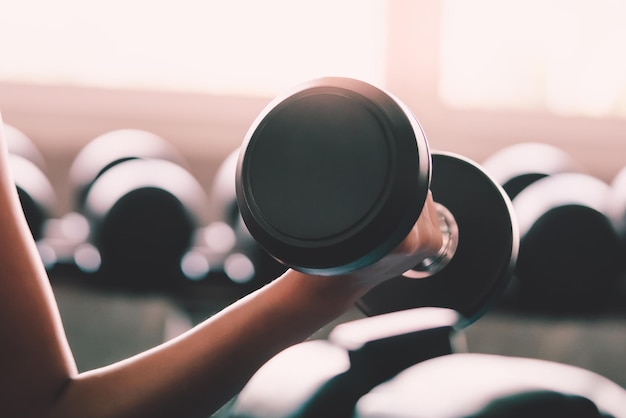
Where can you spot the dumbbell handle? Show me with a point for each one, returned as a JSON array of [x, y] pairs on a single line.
[[450, 235]]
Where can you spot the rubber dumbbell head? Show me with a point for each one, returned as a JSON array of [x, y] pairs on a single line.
[[569, 251], [35, 192], [226, 214], [334, 174], [517, 166], [322, 378], [112, 148], [143, 215], [617, 204], [490, 386], [18, 143], [485, 255]]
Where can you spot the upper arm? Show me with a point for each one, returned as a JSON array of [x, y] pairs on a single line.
[[35, 360]]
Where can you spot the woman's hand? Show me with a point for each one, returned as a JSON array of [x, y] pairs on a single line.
[[423, 240], [330, 296]]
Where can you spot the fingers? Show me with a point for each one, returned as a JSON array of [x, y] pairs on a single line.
[[430, 226], [425, 238]]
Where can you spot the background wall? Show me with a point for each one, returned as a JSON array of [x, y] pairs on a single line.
[[206, 127]]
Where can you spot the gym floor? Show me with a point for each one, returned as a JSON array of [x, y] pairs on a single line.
[[104, 326]]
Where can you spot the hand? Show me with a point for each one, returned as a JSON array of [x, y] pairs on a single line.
[[423, 240]]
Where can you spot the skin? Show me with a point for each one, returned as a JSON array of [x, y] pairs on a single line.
[[190, 376]]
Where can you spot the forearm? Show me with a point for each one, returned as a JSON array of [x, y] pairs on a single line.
[[196, 373], [192, 375]]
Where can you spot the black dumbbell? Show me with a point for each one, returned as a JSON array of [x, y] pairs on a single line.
[[414, 363], [142, 206], [36, 193], [244, 261], [334, 174], [517, 166], [492, 386], [326, 378], [617, 213], [112, 148], [567, 259], [18, 143], [617, 204]]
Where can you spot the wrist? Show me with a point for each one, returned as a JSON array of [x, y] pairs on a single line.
[[323, 297]]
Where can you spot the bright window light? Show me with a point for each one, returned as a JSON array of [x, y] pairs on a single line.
[[222, 47], [566, 56]]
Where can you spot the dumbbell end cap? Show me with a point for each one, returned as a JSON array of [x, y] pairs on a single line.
[[486, 255], [332, 176]]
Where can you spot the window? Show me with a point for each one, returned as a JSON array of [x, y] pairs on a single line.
[[563, 56], [221, 47]]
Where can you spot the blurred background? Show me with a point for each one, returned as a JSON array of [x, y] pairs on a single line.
[[479, 75]]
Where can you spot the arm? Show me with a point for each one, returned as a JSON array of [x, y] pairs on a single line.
[[35, 359], [192, 375]]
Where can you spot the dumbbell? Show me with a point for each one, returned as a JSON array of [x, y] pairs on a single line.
[[569, 255], [415, 363], [142, 207], [491, 386], [568, 258], [333, 175], [326, 378], [617, 212], [231, 237], [617, 204], [36, 193], [517, 166], [18, 143], [112, 148]]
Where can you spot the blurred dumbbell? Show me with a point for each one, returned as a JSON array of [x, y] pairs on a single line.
[[617, 203], [569, 250], [112, 148], [568, 258], [517, 166], [141, 206], [326, 378], [413, 363], [569, 255], [244, 261], [37, 196], [333, 175], [18, 143], [491, 386], [617, 212]]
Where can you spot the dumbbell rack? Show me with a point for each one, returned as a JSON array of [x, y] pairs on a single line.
[[574, 338]]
